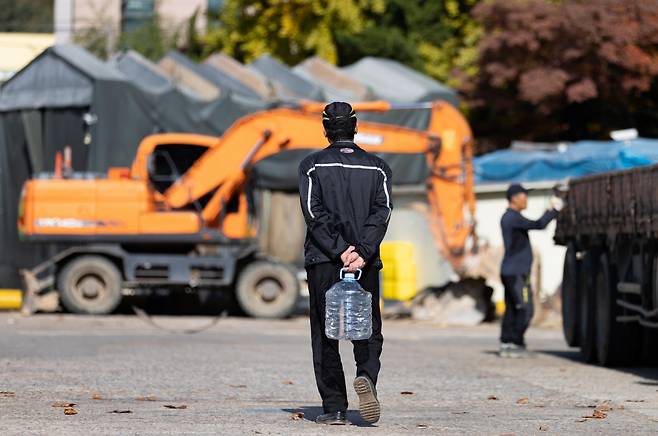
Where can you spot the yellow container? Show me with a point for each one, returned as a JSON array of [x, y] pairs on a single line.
[[396, 251], [500, 308], [11, 299], [399, 273], [400, 290]]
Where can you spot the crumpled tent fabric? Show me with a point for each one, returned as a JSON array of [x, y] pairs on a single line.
[[335, 83], [287, 84], [395, 82], [66, 96], [144, 73], [576, 159], [224, 82], [248, 77]]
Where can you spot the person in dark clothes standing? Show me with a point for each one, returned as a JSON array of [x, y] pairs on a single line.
[[345, 197], [515, 269]]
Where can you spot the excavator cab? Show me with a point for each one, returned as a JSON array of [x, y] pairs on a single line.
[[168, 162]]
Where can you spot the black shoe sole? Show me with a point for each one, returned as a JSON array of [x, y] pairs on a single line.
[[333, 422], [369, 407]]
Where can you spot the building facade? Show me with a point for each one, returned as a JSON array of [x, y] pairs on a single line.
[[117, 16]]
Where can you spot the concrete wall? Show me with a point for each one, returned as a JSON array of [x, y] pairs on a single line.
[[409, 223], [94, 13], [73, 16], [176, 12]]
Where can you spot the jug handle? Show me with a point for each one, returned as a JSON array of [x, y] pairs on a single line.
[[342, 275]]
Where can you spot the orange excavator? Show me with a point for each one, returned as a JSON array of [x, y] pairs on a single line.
[[182, 216]]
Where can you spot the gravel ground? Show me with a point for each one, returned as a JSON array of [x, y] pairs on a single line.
[[245, 376]]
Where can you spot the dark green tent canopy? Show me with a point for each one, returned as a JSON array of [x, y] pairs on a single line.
[[66, 96], [395, 82]]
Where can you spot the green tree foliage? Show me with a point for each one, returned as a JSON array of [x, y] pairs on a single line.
[[26, 16], [567, 70], [152, 39], [291, 30], [436, 37]]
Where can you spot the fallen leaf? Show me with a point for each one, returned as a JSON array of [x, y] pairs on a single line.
[[147, 398], [238, 386], [422, 426], [597, 414], [97, 397], [287, 382], [171, 406], [7, 394], [635, 401], [121, 411], [64, 404], [69, 411], [406, 393], [492, 397], [543, 428], [605, 407], [296, 416], [523, 400]]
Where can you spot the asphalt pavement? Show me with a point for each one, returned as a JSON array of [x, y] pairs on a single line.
[[246, 377]]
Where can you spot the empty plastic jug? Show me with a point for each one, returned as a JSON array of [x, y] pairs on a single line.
[[348, 309]]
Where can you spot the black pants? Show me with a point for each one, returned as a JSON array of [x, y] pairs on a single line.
[[519, 309], [326, 359]]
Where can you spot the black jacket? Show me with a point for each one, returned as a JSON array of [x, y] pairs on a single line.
[[345, 195], [518, 254]]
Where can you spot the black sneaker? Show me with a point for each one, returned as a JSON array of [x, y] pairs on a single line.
[[334, 418], [518, 352], [369, 407]]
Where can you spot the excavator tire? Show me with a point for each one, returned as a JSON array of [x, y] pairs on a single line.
[[90, 285], [267, 289]]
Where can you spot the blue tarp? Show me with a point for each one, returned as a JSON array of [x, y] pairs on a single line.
[[574, 160]]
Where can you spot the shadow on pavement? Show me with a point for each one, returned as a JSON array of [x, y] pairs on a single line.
[[649, 373], [186, 304], [312, 412]]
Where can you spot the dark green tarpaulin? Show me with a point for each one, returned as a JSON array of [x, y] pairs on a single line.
[[66, 96], [225, 82], [279, 172], [397, 83], [287, 84]]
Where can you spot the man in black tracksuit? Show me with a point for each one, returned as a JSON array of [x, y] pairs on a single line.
[[515, 269], [345, 198]]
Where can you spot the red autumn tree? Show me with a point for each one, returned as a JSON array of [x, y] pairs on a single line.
[[565, 70]]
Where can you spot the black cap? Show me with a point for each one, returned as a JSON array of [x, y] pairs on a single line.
[[515, 188], [338, 115]]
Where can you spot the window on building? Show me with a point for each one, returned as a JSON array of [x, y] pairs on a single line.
[[214, 10], [135, 13]]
